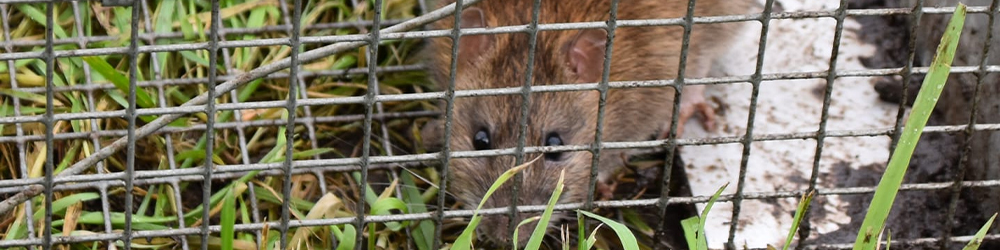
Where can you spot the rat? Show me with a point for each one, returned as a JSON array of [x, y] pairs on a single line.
[[565, 118]]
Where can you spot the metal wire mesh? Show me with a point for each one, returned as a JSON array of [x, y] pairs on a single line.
[[92, 174]]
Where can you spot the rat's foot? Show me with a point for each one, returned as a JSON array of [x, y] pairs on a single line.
[[606, 191], [693, 102], [699, 106]]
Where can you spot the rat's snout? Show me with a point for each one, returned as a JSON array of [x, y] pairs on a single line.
[[494, 227]]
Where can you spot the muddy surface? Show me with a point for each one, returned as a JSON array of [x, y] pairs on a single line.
[[857, 103], [938, 157]]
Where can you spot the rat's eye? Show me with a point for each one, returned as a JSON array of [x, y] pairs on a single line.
[[482, 140], [553, 139]]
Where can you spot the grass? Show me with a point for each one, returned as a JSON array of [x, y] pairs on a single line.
[[409, 191], [79, 212], [885, 194]]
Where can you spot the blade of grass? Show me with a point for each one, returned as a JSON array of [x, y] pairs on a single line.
[[536, 237], [523, 222], [146, 199], [186, 29], [39, 17], [139, 222], [888, 239], [28, 96], [228, 220], [803, 207], [694, 227], [64, 202], [624, 234], [18, 229], [194, 57], [978, 238], [102, 67], [28, 110], [592, 239], [384, 206], [164, 15], [423, 236], [464, 241], [633, 219], [3, 113], [346, 237], [371, 236], [197, 154], [691, 230], [245, 216], [885, 193], [581, 233]]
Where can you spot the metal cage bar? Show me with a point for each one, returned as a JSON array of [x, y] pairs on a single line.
[[50, 131], [746, 140], [806, 226]]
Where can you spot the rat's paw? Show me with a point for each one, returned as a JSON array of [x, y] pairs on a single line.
[[606, 191], [700, 107], [693, 102]]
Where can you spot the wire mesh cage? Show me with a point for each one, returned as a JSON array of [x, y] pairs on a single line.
[[267, 124]]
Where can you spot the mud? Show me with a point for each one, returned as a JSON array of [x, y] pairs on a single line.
[[938, 156]]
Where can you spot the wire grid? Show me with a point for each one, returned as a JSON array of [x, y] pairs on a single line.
[[103, 180]]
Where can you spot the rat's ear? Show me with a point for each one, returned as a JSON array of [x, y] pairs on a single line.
[[470, 47], [585, 54]]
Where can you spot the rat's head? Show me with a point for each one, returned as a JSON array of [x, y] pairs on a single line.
[[493, 122]]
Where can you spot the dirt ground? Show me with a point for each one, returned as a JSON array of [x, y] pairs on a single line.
[[790, 106]]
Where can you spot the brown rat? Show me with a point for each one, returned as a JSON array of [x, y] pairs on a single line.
[[566, 118]]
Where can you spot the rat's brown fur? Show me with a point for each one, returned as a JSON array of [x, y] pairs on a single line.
[[639, 53]]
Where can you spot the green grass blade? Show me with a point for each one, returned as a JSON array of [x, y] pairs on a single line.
[[345, 62], [371, 236], [384, 206], [3, 112], [691, 230], [580, 232], [523, 222], [888, 239], [64, 202], [18, 229], [228, 220], [164, 19], [464, 241], [102, 67], [536, 237], [638, 223], [36, 98], [345, 239], [978, 238], [593, 237], [887, 188], [694, 227], [803, 207], [194, 57], [423, 236], [624, 234], [39, 17], [186, 28]]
